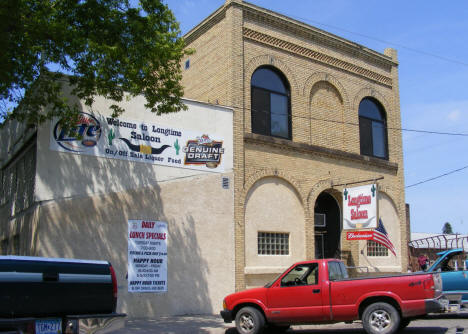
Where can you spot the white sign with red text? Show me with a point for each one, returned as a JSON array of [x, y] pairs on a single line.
[[147, 256], [360, 207]]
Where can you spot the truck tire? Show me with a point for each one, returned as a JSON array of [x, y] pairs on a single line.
[[249, 320], [380, 318]]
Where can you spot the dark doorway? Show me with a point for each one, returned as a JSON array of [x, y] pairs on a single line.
[[327, 227]]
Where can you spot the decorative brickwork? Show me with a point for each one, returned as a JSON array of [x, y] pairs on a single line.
[[270, 172], [323, 76], [269, 60], [316, 56]]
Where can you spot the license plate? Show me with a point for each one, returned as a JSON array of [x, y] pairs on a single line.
[[49, 326]]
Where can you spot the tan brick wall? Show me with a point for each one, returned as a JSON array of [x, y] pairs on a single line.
[[208, 77], [328, 77]]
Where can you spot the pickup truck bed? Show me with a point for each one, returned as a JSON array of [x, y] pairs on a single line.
[[50, 292], [33, 286]]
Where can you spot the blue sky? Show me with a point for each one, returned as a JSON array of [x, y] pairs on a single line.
[[432, 43]]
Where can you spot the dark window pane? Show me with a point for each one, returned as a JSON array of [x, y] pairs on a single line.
[[279, 126], [268, 79], [370, 109], [279, 116], [270, 104], [379, 140], [372, 129], [365, 135], [279, 104], [260, 111]]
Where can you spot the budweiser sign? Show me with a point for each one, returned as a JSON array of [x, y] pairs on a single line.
[[359, 235]]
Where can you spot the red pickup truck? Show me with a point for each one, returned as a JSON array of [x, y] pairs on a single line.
[[320, 291]]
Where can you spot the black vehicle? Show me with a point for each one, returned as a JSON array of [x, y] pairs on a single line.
[[51, 295]]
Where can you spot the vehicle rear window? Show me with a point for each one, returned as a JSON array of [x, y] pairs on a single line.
[[336, 271]]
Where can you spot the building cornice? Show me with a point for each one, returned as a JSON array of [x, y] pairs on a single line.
[[205, 25], [316, 56], [307, 31], [284, 144], [297, 28]]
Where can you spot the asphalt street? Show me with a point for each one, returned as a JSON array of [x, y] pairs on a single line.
[[212, 324]]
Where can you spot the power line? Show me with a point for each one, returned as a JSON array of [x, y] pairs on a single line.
[[379, 40], [459, 134], [402, 129], [437, 177]]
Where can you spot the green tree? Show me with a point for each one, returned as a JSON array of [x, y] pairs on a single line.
[[447, 229], [98, 47]]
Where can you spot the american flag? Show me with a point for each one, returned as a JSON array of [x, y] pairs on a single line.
[[380, 235]]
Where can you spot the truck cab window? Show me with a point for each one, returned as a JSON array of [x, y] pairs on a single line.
[[303, 274], [335, 272]]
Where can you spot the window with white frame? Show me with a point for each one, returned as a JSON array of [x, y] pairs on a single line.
[[376, 249], [273, 243]]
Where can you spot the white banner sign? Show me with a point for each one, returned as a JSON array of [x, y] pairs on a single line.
[[140, 141], [147, 256], [360, 207]]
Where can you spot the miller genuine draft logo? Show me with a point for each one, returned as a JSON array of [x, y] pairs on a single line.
[[203, 151]]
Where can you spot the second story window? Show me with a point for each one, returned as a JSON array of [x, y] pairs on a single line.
[[373, 129], [270, 107]]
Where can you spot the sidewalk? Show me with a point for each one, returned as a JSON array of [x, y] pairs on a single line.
[[214, 324], [196, 324]]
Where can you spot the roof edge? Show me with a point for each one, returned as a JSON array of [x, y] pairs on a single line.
[[218, 14]]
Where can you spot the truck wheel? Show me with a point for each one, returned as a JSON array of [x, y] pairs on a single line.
[[249, 320], [380, 318]]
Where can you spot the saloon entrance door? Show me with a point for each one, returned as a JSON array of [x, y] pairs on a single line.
[[327, 226]]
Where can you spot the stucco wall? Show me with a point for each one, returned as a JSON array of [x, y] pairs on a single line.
[[272, 205], [85, 203], [199, 214]]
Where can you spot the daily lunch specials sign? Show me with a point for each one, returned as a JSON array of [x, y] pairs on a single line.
[[360, 207], [147, 256]]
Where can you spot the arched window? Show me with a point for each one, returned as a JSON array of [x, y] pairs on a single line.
[[373, 129], [270, 107]]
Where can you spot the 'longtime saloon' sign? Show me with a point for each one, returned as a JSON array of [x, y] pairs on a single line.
[[140, 141], [360, 207]]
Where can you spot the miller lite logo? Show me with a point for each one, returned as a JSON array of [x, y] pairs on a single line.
[[86, 133]]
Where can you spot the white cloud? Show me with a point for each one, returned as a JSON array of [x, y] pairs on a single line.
[[454, 115]]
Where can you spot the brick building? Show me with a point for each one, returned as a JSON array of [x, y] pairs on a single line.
[[301, 114], [313, 113]]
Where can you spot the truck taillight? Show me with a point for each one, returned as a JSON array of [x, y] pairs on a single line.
[[428, 284], [114, 281], [437, 284]]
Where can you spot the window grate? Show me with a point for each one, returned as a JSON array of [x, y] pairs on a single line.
[[273, 243]]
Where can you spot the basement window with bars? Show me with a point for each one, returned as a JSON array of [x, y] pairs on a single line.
[[376, 249], [273, 243]]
